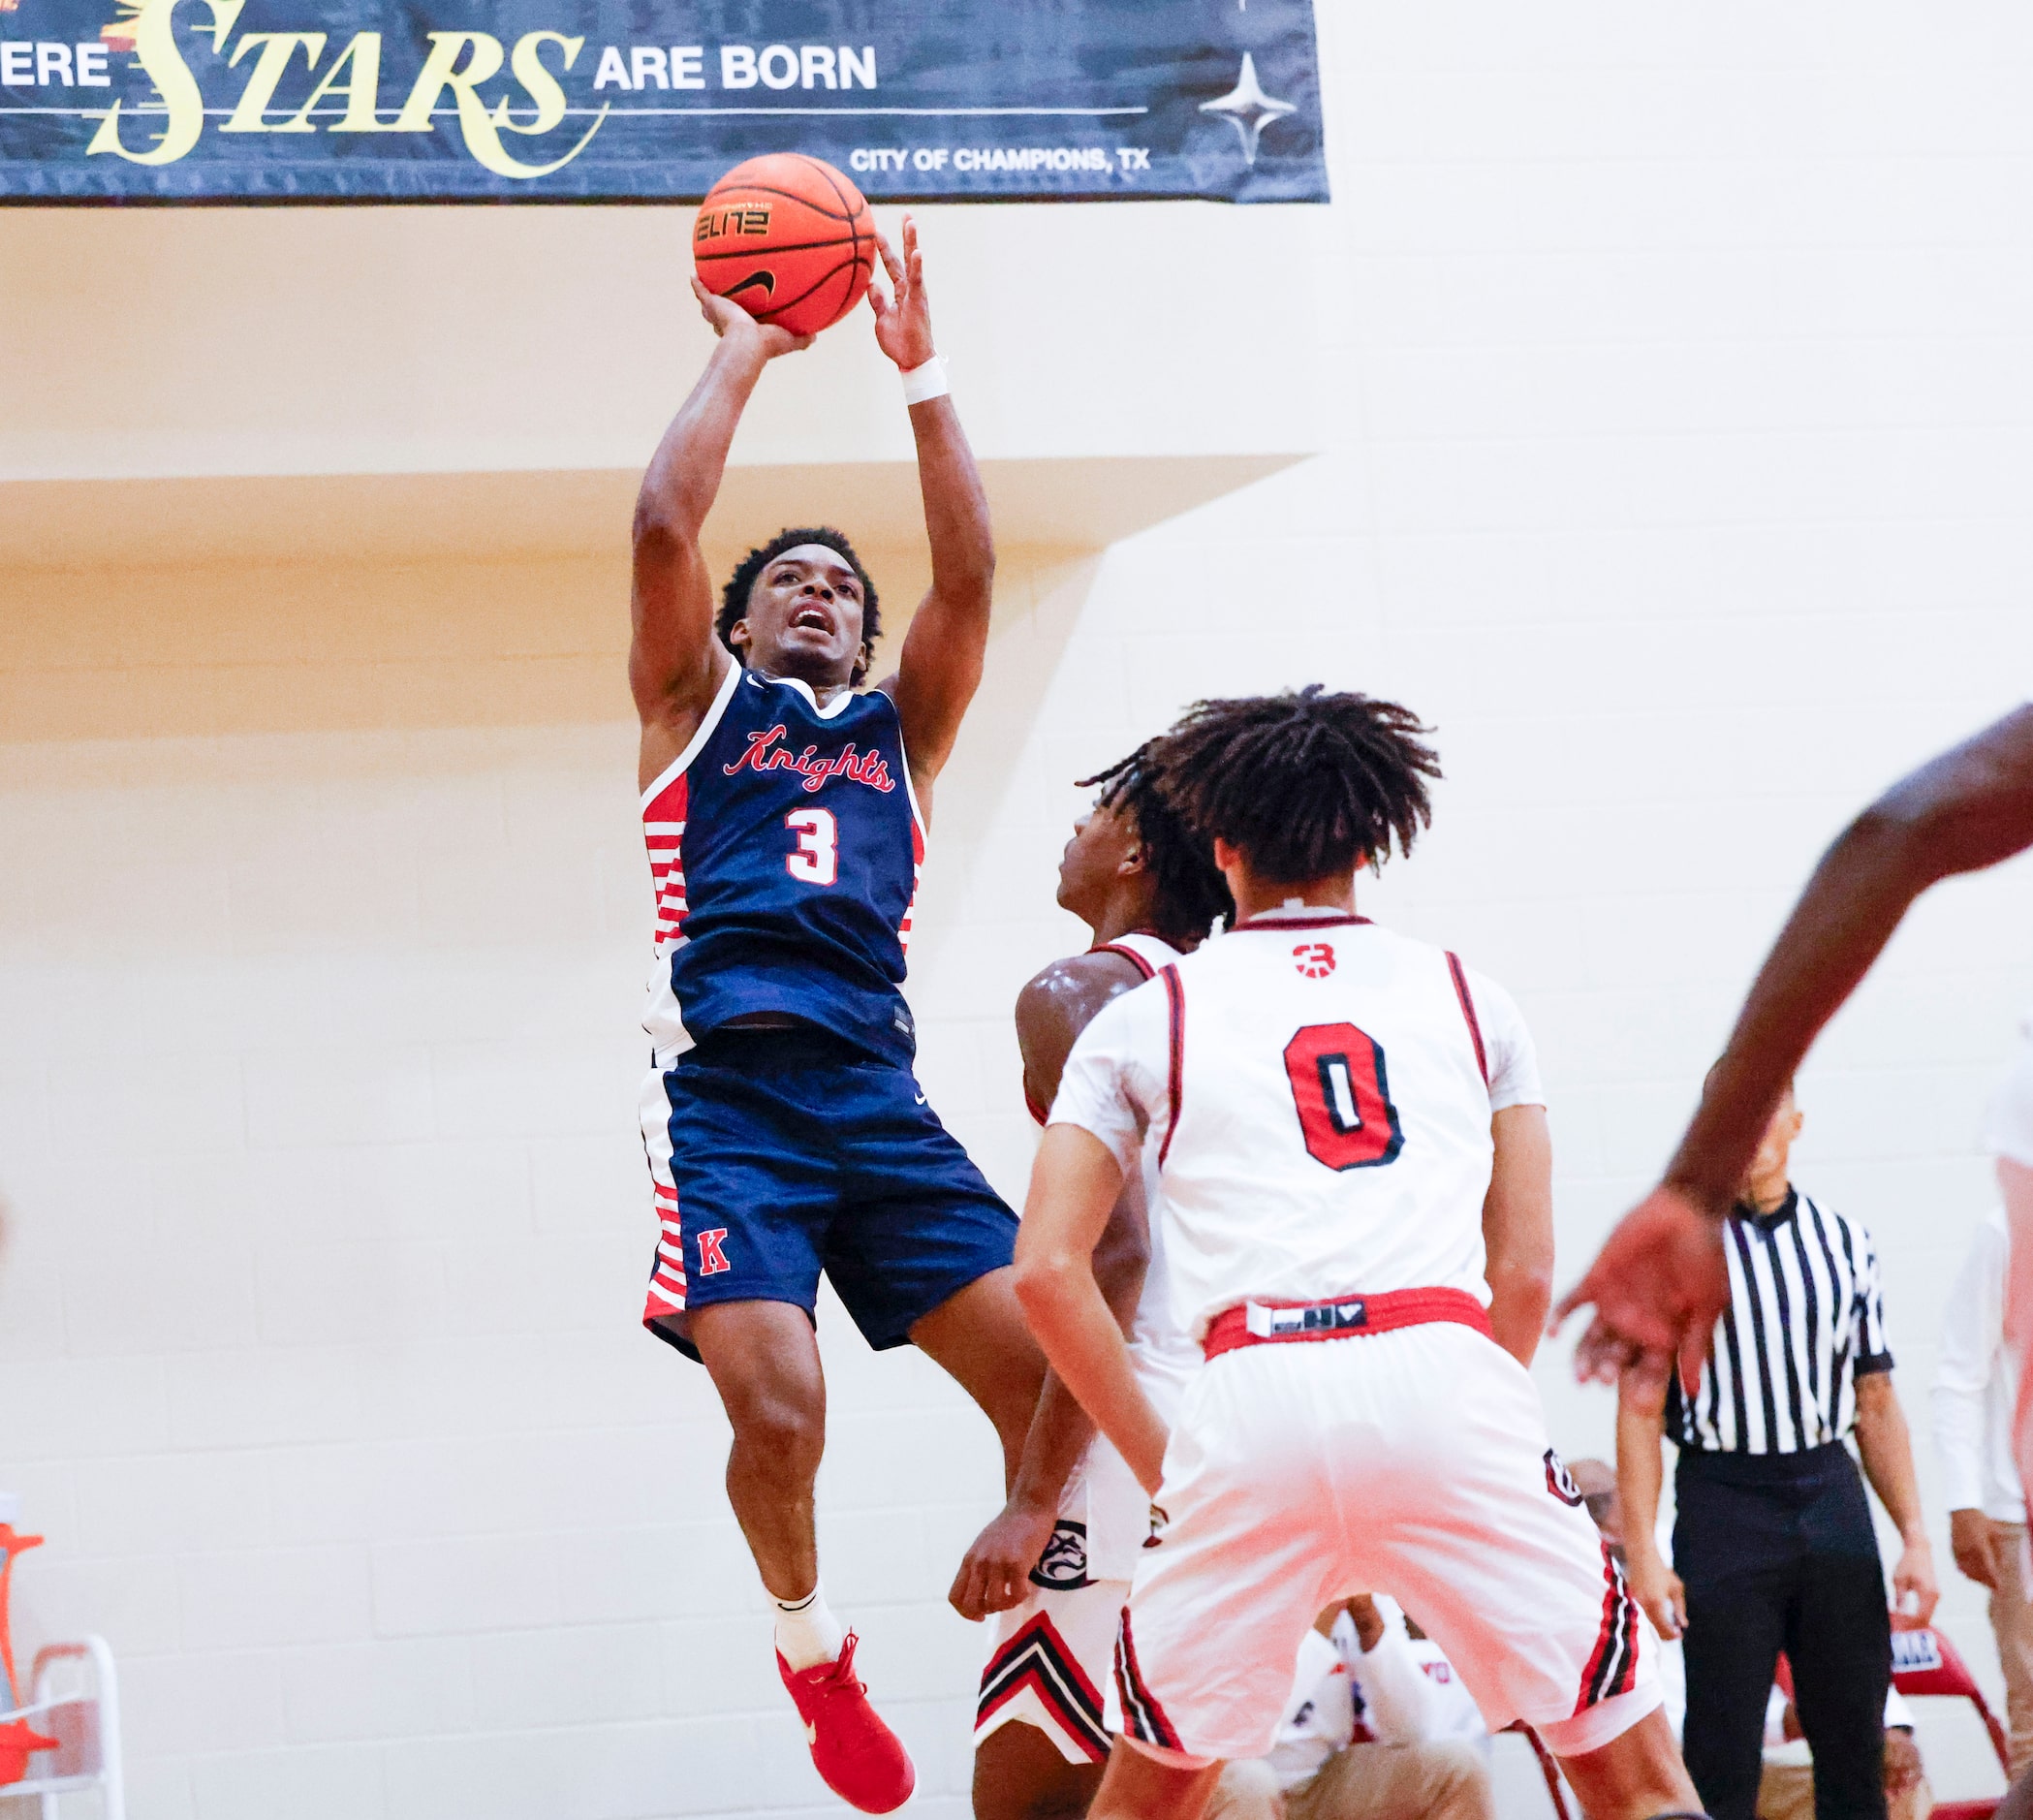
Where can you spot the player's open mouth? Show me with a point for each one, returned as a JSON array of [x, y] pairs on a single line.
[[814, 618]]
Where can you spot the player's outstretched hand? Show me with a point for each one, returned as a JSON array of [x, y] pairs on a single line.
[[904, 325], [729, 317], [996, 1572], [1658, 1287]]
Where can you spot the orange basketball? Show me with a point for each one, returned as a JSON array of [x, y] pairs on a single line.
[[789, 239]]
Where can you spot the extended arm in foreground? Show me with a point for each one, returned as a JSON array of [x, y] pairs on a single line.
[[1659, 1283]]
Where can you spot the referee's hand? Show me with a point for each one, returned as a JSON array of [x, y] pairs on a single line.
[[1914, 1591]]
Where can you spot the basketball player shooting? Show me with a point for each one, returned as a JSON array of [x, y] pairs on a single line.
[[1354, 1203], [786, 1132], [1661, 1282], [1148, 888]]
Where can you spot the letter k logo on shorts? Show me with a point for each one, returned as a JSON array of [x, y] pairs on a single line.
[[711, 1259]]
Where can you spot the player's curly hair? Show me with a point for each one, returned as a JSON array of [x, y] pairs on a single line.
[[1191, 893], [733, 597], [1305, 783]]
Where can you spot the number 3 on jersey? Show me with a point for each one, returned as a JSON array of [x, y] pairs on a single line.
[[1343, 1097], [817, 859]]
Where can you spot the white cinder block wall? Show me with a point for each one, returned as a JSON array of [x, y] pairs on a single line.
[[1677, 406]]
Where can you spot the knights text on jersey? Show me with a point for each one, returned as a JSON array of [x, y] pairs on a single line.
[[785, 847], [1318, 1093]]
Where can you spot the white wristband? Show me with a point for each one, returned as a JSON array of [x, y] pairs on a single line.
[[925, 382]]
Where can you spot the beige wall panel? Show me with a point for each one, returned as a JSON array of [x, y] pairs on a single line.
[[397, 340]]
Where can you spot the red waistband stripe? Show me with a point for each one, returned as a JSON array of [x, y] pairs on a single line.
[[1341, 1317]]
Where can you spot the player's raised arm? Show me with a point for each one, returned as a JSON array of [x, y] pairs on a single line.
[[675, 662], [1658, 1285], [941, 666]]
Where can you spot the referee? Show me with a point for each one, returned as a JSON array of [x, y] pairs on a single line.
[[1773, 1540]]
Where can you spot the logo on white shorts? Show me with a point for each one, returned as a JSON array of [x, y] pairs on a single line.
[[1559, 1481], [1063, 1566]]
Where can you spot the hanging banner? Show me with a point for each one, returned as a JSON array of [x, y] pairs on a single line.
[[400, 101]]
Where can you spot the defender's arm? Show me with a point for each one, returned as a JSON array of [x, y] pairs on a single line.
[[1965, 810], [941, 666], [1052, 1012], [1073, 1188], [1517, 1229], [1659, 1284], [675, 662]]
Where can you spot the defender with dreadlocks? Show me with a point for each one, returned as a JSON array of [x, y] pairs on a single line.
[[1354, 1197], [1148, 888], [785, 1130]]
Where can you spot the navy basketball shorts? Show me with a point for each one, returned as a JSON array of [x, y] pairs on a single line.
[[789, 1153]]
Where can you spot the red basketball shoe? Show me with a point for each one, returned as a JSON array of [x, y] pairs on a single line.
[[858, 1757]]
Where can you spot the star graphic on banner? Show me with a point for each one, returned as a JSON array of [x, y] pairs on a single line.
[[1247, 109]]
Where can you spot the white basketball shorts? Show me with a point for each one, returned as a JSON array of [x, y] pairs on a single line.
[[1051, 1664], [1414, 1463]]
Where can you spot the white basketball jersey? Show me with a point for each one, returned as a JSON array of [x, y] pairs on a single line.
[[1163, 1355], [1317, 1093]]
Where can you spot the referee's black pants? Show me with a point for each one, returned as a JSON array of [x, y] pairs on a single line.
[[1777, 1553]]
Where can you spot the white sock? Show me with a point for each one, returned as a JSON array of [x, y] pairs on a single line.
[[807, 1633]]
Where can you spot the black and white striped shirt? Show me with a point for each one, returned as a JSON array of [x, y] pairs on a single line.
[[1806, 1319]]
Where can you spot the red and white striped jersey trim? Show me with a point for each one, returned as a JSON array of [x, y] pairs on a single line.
[[665, 807], [664, 835], [909, 910]]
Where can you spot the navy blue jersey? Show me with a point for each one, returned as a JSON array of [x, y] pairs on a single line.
[[785, 844]]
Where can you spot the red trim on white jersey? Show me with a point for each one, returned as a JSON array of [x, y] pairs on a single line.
[[1175, 1025], [1130, 954], [1276, 922], [1137, 958], [1126, 946], [1468, 1011]]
